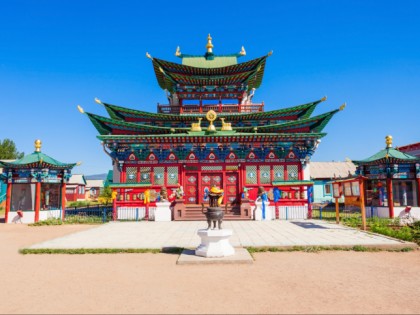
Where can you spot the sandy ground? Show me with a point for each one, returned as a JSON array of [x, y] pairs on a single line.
[[327, 282]]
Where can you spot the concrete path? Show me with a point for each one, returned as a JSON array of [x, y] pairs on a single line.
[[245, 233]]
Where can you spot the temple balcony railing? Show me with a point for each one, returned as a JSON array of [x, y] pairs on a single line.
[[218, 108]]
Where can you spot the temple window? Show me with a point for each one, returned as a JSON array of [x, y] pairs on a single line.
[[404, 193], [251, 174], [278, 171], [172, 175], [265, 177], [145, 175], [292, 172], [131, 174], [159, 173]]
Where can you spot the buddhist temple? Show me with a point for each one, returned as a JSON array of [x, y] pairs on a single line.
[[211, 133], [36, 187], [392, 180]]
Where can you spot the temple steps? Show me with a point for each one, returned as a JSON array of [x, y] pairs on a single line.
[[193, 213]]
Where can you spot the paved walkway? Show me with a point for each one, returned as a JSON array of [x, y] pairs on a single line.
[[245, 233]]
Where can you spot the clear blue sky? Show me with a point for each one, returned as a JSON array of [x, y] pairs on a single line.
[[55, 55]]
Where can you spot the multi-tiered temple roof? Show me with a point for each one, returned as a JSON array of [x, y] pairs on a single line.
[[203, 78]]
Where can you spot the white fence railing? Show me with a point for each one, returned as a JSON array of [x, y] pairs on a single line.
[[135, 213]]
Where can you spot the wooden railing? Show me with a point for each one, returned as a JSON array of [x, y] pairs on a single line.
[[219, 108]]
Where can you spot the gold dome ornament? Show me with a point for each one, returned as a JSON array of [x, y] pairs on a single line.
[[388, 141], [38, 145], [211, 116]]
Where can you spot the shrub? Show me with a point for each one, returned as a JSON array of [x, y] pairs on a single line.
[[51, 221]]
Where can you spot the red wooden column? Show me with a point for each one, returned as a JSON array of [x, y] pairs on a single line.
[[63, 200], [418, 191], [8, 200], [37, 200], [390, 197], [362, 203]]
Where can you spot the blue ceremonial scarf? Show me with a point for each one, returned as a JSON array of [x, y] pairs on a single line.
[[277, 194], [264, 199]]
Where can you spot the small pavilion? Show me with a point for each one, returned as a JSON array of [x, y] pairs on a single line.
[[36, 187], [392, 180]]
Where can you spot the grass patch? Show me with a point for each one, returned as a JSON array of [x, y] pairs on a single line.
[[52, 221], [70, 219], [316, 249], [84, 251]]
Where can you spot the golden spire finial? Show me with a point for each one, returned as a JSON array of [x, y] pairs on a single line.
[[242, 52], [343, 106], [388, 141], [97, 100], [80, 109], [148, 55], [209, 45], [324, 99], [178, 52], [38, 145]]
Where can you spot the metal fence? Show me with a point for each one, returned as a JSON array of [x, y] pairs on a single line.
[[327, 212], [91, 214]]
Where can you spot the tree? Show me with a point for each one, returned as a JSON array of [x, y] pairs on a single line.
[[105, 197], [8, 150]]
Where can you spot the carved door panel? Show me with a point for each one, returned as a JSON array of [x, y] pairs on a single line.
[[231, 192], [191, 190], [208, 180]]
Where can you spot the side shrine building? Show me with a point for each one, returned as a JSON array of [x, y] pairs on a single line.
[[211, 133]]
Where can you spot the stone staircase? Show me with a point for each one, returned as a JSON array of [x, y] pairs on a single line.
[[193, 213]]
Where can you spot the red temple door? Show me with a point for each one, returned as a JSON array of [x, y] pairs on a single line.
[[231, 192], [208, 180], [191, 188]]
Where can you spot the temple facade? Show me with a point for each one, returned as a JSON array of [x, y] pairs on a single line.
[[211, 133]]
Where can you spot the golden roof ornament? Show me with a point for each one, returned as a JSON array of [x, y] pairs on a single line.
[[38, 145], [196, 126], [226, 126], [80, 109], [343, 106], [98, 101], [211, 116], [324, 99], [242, 52], [388, 141], [178, 52], [209, 45], [148, 56]]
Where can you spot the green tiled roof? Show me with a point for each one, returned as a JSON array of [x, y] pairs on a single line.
[[203, 138], [129, 185], [290, 113], [203, 62], [37, 160], [107, 126], [314, 124], [293, 183], [170, 74], [388, 155]]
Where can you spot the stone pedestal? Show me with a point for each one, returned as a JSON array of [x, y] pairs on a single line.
[[163, 211], [215, 243], [258, 212]]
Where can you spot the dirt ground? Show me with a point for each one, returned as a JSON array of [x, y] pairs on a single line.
[[326, 282]]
